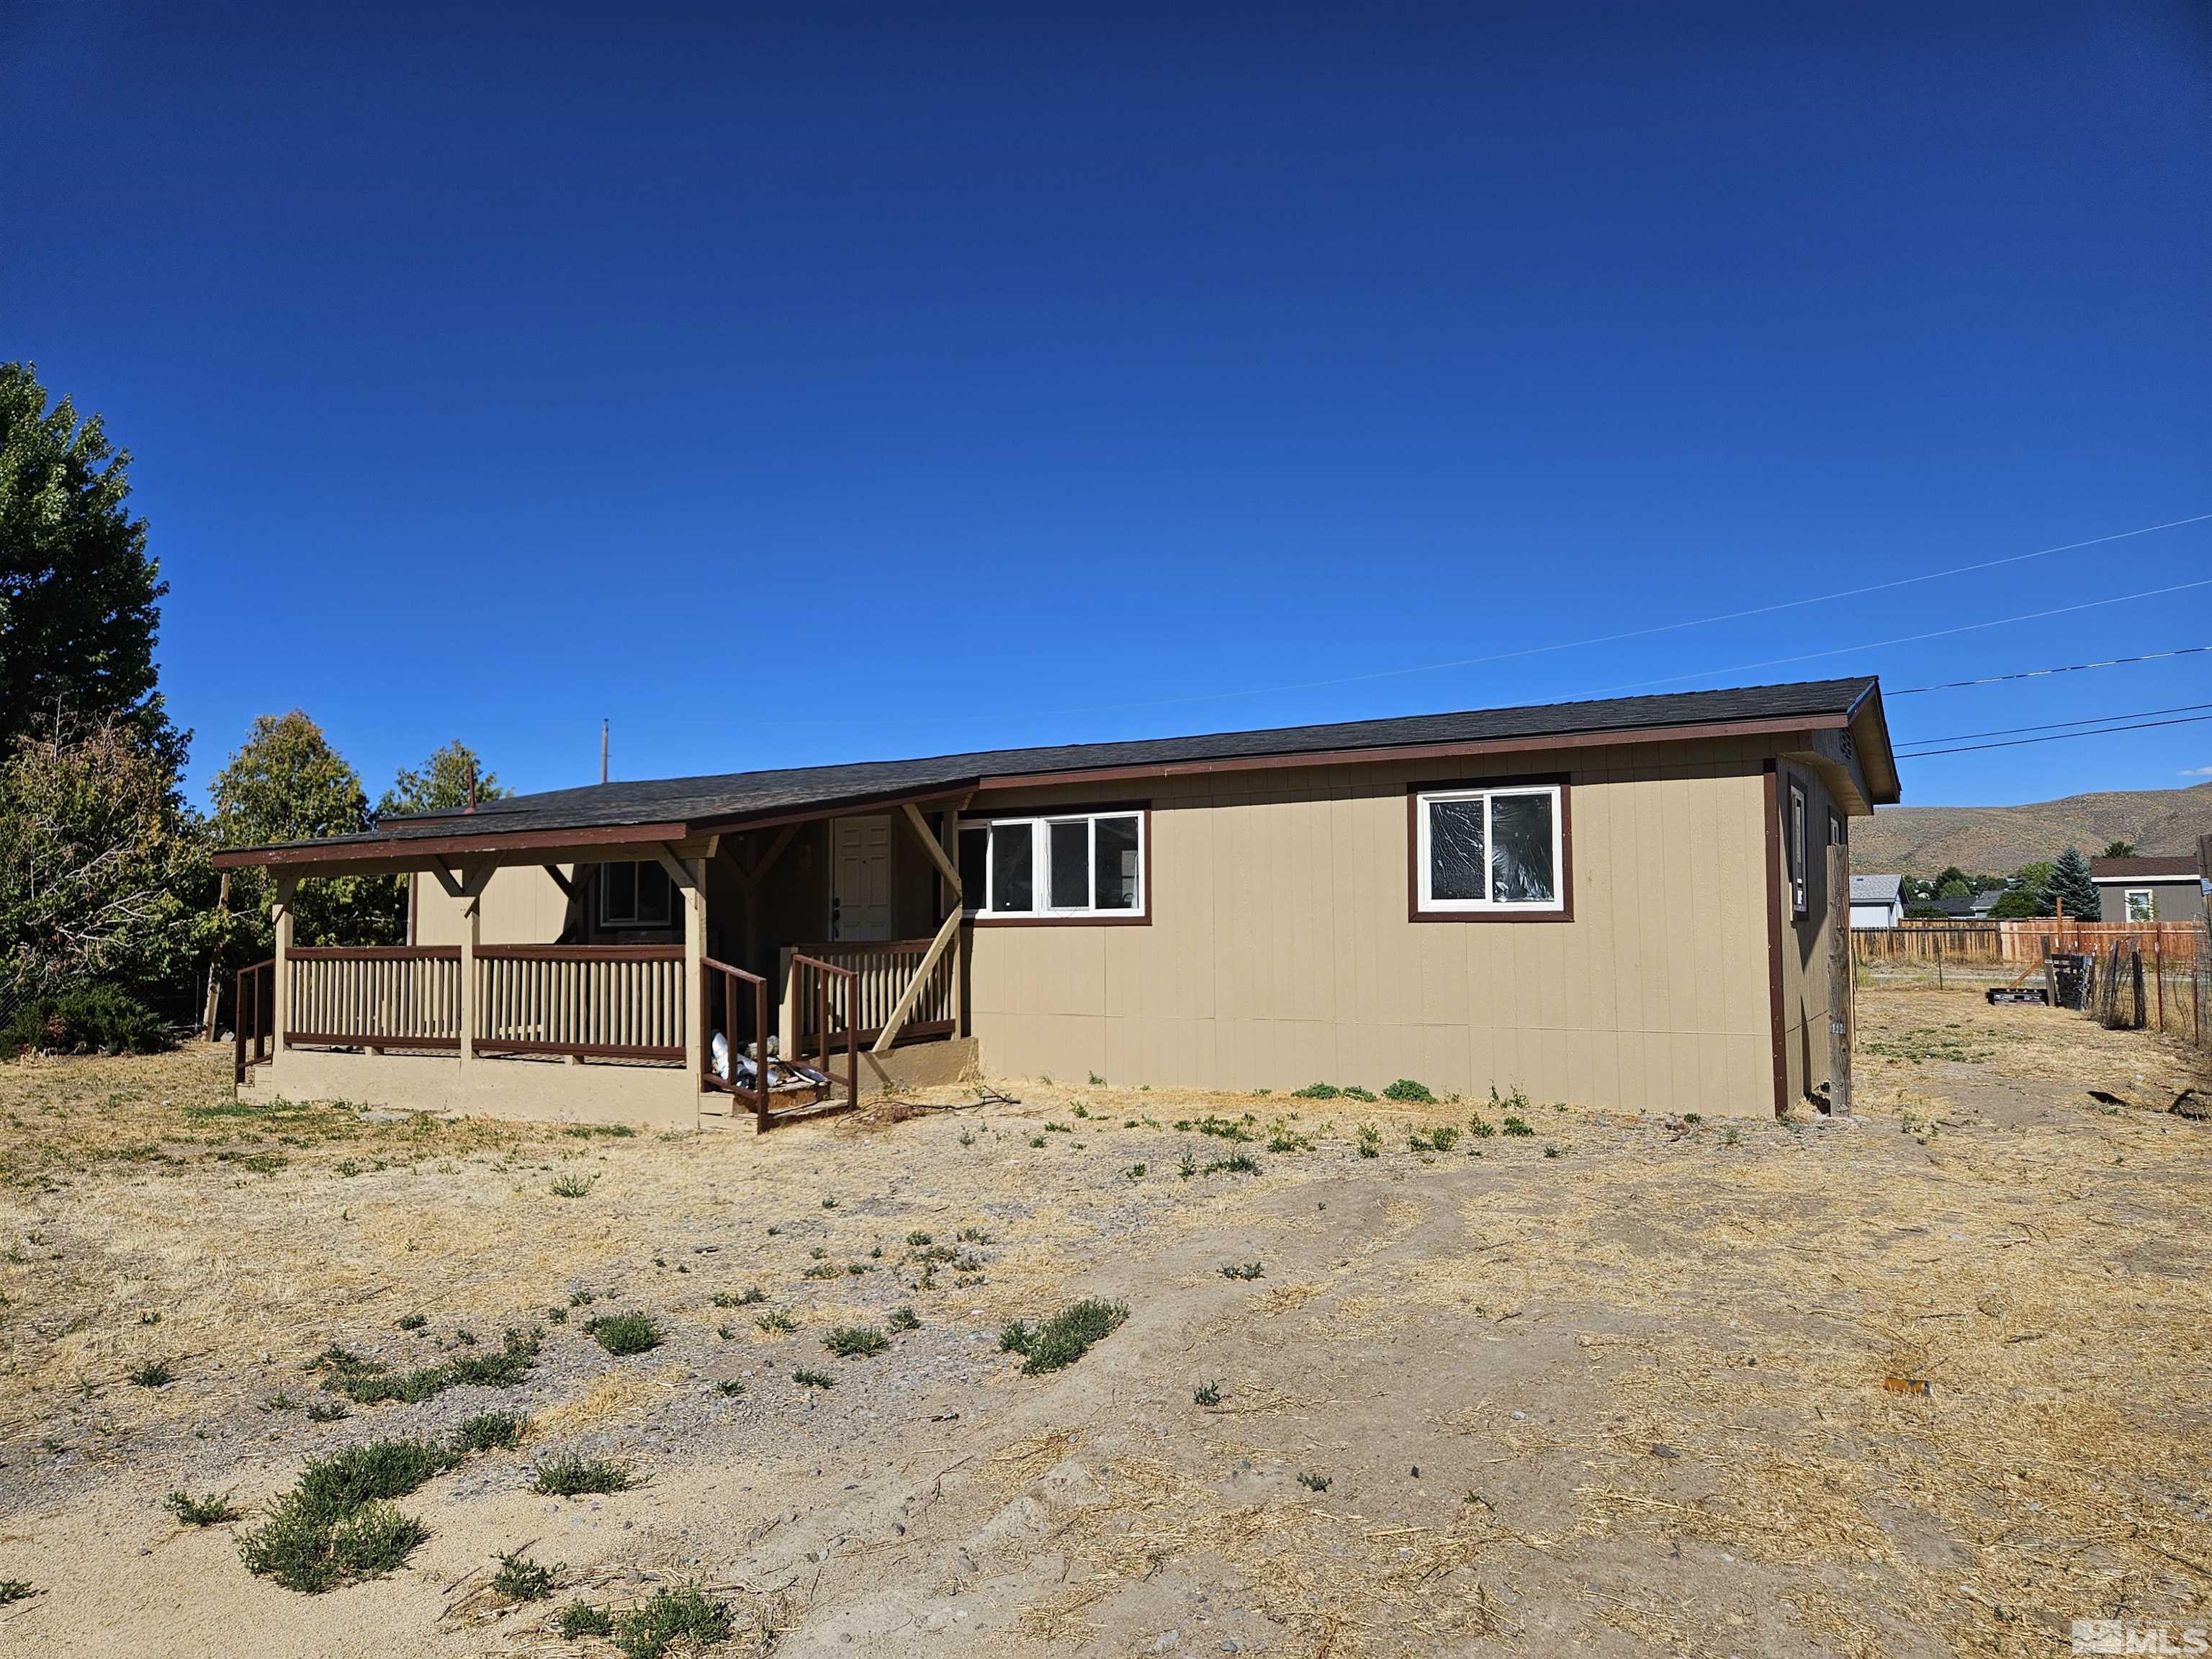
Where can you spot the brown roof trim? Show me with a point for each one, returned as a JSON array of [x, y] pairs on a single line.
[[428, 848], [1612, 738]]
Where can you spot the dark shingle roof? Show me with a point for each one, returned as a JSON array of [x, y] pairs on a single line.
[[2180, 867], [735, 796]]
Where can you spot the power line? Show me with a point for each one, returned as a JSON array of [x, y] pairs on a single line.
[[2018, 743], [1576, 645], [2055, 726], [1910, 639], [2040, 673]]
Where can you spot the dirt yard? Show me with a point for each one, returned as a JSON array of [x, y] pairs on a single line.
[[1612, 1385]]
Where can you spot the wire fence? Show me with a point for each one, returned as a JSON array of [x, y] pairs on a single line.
[[2131, 989]]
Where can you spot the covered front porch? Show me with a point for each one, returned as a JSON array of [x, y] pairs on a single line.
[[636, 973]]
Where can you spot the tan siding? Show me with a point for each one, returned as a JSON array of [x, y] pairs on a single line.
[[521, 906], [1281, 952]]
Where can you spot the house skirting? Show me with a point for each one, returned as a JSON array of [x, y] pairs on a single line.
[[556, 1092], [535, 1091]]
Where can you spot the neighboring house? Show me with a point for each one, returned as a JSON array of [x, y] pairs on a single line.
[[1619, 904], [2148, 888], [1974, 909], [1877, 901]]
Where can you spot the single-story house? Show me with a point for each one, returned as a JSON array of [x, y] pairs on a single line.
[[1877, 901], [1619, 903], [1974, 908], [2148, 888]]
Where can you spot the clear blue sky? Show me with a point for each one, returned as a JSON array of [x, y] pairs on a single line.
[[792, 393]]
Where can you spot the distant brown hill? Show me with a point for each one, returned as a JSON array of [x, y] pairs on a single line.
[[1920, 841]]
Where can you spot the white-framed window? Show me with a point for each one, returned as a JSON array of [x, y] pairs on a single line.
[[1797, 893], [2141, 907], [1056, 865], [635, 896], [1495, 851]]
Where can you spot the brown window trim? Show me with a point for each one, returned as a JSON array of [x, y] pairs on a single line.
[[1797, 844], [1142, 808], [1562, 780]]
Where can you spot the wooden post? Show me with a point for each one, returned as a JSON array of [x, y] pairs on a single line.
[[280, 998], [786, 1007], [471, 936], [2158, 971], [960, 935], [1840, 970], [695, 972]]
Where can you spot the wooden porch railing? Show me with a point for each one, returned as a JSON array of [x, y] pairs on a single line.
[[880, 971], [254, 1018], [594, 1002], [375, 996], [828, 991], [733, 988]]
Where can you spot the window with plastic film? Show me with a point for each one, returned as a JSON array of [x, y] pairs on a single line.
[[1498, 851]]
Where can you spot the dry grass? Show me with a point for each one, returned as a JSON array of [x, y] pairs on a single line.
[[1644, 1384]]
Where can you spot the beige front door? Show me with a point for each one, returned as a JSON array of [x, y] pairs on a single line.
[[860, 884]]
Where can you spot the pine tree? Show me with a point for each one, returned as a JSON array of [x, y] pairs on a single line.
[[79, 597], [2072, 887]]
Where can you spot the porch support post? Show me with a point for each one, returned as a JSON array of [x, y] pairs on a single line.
[[280, 912], [945, 866], [960, 936], [469, 890], [695, 974]]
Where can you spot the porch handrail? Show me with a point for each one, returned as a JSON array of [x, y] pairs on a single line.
[[253, 1017], [728, 978], [373, 953], [824, 973], [882, 968]]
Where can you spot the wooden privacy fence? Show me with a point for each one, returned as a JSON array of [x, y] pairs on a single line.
[[596, 1002], [879, 971], [397, 996], [2017, 942], [1930, 942]]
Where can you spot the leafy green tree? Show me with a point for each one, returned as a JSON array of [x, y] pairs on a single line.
[[2118, 849], [2018, 904], [79, 597], [1945, 877], [2072, 885], [441, 784], [104, 874], [1957, 887], [287, 783]]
